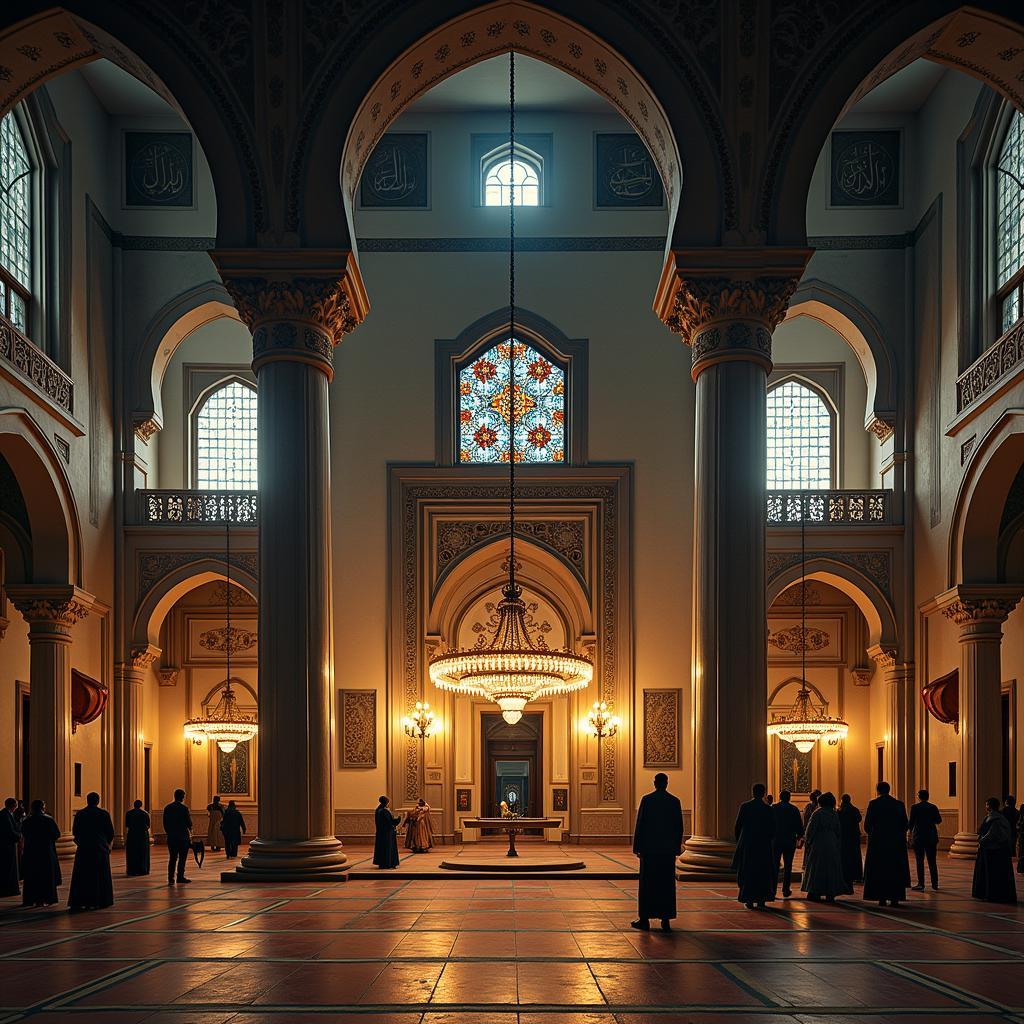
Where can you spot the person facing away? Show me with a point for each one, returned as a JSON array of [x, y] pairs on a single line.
[[823, 860], [213, 834], [91, 884], [419, 834], [657, 841], [787, 835], [232, 826], [1011, 812], [136, 840], [754, 860], [849, 821], [924, 838], [993, 870], [178, 828], [39, 862], [811, 806], [10, 840], [886, 867], [385, 844], [1020, 845]]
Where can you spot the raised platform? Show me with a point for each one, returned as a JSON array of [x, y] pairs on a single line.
[[514, 865]]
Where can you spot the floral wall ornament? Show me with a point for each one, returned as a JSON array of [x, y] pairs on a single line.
[[797, 639], [228, 639]]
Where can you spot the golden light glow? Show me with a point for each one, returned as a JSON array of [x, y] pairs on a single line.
[[601, 722], [226, 725], [805, 725], [421, 723]]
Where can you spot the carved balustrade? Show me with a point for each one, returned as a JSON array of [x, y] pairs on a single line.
[[35, 366], [830, 508], [198, 507], [992, 368]]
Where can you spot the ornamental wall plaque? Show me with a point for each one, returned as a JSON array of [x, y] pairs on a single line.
[[625, 175], [865, 169], [357, 711], [662, 727], [796, 639], [397, 175], [232, 637], [158, 170]]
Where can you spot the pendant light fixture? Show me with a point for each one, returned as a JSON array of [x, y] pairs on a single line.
[[804, 724], [226, 725], [511, 669]]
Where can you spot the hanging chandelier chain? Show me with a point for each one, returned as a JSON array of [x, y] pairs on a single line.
[[512, 321], [803, 590], [227, 576]]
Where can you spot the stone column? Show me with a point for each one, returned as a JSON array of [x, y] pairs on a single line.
[[979, 612], [51, 610], [127, 732], [298, 304], [901, 701], [725, 304]]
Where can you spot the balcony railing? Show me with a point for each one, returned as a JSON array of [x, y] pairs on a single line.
[[199, 507], [990, 369], [36, 366], [830, 508]]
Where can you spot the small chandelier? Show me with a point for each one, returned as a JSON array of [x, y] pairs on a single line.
[[512, 669], [601, 722], [420, 724]]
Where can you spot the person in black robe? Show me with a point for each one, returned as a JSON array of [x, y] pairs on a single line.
[[886, 867], [10, 841], [91, 885], [849, 821], [754, 860], [39, 859], [1020, 845], [136, 840], [1011, 812], [993, 870], [178, 829], [20, 814], [657, 840], [786, 837], [385, 845], [232, 826], [924, 838], [811, 806]]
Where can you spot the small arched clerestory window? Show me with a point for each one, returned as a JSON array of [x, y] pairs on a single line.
[[801, 437], [1009, 224], [223, 429], [508, 182], [16, 229]]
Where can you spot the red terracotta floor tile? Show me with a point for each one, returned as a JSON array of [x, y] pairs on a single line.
[[402, 983], [318, 984], [24, 984], [470, 983], [558, 984]]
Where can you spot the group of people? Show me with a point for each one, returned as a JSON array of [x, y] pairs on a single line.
[[29, 864], [419, 832]]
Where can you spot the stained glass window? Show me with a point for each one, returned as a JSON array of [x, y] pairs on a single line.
[[15, 222], [512, 183], [225, 439], [1010, 222], [484, 406], [799, 438]]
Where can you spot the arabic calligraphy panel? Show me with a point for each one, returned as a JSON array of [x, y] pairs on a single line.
[[865, 169], [625, 176], [158, 170], [397, 175]]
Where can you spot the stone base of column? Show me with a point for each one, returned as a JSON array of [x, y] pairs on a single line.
[[306, 860], [66, 847], [965, 846], [705, 858]]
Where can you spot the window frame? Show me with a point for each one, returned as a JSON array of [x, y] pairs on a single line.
[[486, 149], [197, 403], [1015, 282], [792, 375], [499, 157]]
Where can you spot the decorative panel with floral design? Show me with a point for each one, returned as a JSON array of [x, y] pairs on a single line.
[[485, 406]]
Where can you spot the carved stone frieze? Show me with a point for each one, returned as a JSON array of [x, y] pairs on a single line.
[[358, 714], [798, 639], [882, 429], [862, 675], [168, 676], [228, 638], [662, 728], [153, 566], [34, 365], [566, 536], [145, 429], [876, 565], [883, 656], [969, 610], [798, 594], [142, 656]]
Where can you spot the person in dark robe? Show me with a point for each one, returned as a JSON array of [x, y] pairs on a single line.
[[39, 859], [10, 840], [232, 826], [993, 870], [1020, 845], [91, 885], [136, 840], [1011, 812], [657, 840], [886, 867], [823, 861], [787, 836], [811, 806], [754, 860], [20, 814], [924, 838], [385, 845], [178, 829], [849, 821]]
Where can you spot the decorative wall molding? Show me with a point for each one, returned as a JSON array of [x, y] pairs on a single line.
[[153, 566], [354, 823], [357, 712], [226, 637], [663, 711], [798, 639], [876, 565], [36, 367], [993, 370], [457, 536]]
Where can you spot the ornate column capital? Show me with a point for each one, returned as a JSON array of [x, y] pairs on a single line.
[[883, 657], [298, 303], [971, 607], [142, 656], [725, 303], [50, 608]]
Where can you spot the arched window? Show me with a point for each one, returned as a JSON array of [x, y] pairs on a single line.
[[508, 182], [1009, 235], [800, 438], [224, 438], [15, 223], [484, 406]]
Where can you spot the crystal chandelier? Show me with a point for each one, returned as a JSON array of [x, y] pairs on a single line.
[[804, 724], [511, 669], [226, 725]]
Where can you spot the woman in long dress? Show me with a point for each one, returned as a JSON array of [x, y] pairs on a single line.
[[39, 862], [823, 861], [385, 845], [849, 820], [993, 870], [136, 840], [213, 833], [419, 833]]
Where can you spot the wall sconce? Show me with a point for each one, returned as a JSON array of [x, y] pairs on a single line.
[[601, 723], [421, 723]]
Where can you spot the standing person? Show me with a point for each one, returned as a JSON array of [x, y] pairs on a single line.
[[39, 860], [213, 833], [91, 885], [993, 870], [419, 833], [769, 799], [823, 861], [232, 827], [811, 806], [1011, 812], [136, 840], [754, 861], [1020, 845], [657, 840], [10, 839], [385, 844], [924, 838], [849, 820], [178, 828], [787, 836], [886, 867]]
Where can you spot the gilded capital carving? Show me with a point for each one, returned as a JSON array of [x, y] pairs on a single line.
[[145, 429], [56, 607], [966, 611], [883, 656], [142, 656], [168, 676], [882, 429]]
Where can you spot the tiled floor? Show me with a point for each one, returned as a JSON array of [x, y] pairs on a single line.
[[474, 951]]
